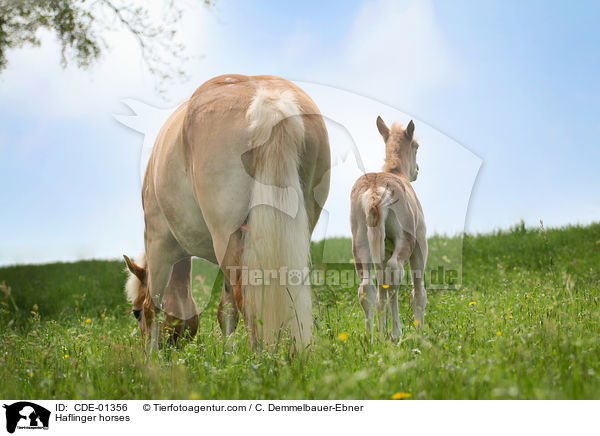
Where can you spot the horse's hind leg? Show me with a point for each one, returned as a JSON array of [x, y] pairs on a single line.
[[367, 295], [228, 313]]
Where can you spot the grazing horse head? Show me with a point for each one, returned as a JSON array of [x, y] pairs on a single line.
[[176, 323], [400, 149]]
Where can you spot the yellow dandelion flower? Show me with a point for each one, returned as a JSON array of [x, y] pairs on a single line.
[[88, 320], [30, 374], [416, 323], [343, 336], [400, 395], [385, 286], [510, 316], [194, 396], [472, 303], [499, 333], [66, 356]]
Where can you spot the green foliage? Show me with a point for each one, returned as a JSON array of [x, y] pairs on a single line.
[[524, 325], [80, 27], [20, 22]]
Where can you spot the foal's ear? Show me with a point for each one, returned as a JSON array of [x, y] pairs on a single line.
[[410, 130], [135, 269], [383, 129]]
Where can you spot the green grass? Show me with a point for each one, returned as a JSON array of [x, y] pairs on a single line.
[[533, 332]]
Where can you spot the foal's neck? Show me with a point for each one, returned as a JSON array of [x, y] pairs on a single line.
[[395, 164]]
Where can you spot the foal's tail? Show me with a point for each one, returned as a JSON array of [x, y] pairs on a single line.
[[375, 203], [277, 236]]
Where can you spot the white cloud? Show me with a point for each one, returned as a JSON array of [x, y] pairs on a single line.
[[395, 52]]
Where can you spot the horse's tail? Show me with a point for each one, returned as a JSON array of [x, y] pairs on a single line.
[[375, 203], [277, 236]]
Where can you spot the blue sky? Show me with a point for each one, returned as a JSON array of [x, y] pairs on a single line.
[[516, 83]]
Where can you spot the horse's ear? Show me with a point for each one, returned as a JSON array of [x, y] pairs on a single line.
[[383, 129], [135, 269], [410, 130]]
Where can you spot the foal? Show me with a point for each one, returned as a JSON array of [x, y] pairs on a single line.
[[384, 209]]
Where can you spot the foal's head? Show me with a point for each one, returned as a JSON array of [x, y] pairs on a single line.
[[400, 149], [137, 293]]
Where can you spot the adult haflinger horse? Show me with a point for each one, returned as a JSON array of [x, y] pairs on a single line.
[[238, 176], [385, 208]]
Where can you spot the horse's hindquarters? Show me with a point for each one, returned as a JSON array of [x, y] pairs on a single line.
[[232, 180]]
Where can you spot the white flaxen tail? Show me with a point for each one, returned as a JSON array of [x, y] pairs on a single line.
[[375, 206], [277, 236]]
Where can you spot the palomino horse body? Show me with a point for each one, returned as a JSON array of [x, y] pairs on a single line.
[[385, 208], [232, 179]]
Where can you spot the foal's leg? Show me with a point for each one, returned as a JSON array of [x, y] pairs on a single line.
[[382, 295], [367, 294], [418, 297], [382, 305], [395, 266]]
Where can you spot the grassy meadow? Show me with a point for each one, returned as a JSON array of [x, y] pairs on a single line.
[[525, 324]]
